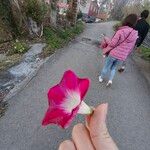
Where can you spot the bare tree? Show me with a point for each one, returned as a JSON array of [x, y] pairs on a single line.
[[116, 12]]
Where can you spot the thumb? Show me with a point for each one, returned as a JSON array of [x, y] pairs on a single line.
[[98, 129]]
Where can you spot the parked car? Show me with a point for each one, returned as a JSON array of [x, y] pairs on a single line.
[[88, 19]]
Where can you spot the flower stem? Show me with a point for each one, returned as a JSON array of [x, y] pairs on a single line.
[[85, 109]]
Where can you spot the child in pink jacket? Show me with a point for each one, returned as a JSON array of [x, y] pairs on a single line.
[[119, 47]]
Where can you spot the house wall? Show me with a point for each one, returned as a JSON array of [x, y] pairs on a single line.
[[94, 10]]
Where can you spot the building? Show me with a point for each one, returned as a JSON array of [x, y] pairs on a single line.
[[100, 10], [93, 9]]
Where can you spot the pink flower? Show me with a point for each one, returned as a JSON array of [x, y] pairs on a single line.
[[65, 100]]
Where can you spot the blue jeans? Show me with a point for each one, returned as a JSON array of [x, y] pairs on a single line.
[[111, 64]]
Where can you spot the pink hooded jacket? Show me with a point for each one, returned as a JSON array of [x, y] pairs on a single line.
[[121, 51]]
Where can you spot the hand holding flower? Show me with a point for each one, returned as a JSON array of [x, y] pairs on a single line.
[[95, 137]]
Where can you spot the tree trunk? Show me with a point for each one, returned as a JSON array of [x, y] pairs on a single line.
[[72, 12]]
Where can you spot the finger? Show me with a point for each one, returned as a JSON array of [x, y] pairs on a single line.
[[98, 129], [67, 145], [81, 138]]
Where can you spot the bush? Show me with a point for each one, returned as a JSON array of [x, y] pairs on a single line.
[[52, 39], [78, 28], [79, 15], [19, 47], [36, 10], [145, 51], [56, 38]]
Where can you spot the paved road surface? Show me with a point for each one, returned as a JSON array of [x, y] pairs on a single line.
[[129, 100]]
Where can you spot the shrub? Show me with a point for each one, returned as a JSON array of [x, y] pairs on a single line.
[[52, 39], [145, 51], [79, 15], [36, 10], [78, 28], [19, 47], [56, 38]]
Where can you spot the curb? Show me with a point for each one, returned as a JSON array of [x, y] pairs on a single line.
[[19, 87]]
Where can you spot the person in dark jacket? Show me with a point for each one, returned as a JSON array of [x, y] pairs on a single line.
[[142, 27]]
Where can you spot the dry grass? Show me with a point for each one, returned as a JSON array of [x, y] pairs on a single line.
[[9, 61]]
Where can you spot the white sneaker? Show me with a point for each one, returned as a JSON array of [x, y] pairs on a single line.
[[100, 79], [109, 83]]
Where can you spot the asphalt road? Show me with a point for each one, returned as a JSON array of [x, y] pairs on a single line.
[[128, 98]]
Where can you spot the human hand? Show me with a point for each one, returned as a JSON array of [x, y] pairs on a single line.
[[93, 136]]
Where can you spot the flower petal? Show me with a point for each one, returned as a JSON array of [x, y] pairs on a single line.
[[56, 95], [69, 81], [83, 86], [57, 116], [54, 115]]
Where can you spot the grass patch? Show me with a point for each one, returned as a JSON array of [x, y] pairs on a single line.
[[56, 38], [18, 47], [12, 53], [145, 52]]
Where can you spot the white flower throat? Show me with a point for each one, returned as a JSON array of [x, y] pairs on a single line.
[[72, 100]]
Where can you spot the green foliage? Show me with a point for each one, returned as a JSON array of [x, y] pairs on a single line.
[[7, 18], [52, 39], [56, 38], [79, 15], [78, 28], [145, 53], [36, 10], [19, 47]]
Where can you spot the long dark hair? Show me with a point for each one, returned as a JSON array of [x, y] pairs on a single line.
[[130, 20]]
